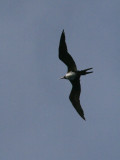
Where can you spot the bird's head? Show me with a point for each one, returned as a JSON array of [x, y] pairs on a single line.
[[64, 77]]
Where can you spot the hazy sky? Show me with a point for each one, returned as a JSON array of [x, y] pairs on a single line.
[[37, 120]]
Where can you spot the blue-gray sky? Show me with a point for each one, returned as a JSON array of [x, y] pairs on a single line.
[[37, 120]]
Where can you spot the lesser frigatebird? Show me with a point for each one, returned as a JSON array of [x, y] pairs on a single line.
[[73, 75]]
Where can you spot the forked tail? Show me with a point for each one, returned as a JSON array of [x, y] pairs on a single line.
[[84, 72]]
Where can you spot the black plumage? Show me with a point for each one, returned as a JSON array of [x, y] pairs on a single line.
[[65, 56]]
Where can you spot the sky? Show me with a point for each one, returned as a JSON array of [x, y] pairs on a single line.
[[37, 120]]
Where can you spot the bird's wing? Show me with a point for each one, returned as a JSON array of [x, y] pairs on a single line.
[[64, 55], [74, 97]]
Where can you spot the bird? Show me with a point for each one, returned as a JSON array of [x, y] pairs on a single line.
[[73, 75]]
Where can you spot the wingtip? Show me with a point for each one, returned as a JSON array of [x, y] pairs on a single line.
[[83, 118], [63, 34], [63, 31]]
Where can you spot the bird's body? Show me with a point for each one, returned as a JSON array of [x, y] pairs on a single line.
[[70, 76], [73, 75]]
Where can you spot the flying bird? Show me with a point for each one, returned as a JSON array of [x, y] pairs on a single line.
[[73, 75]]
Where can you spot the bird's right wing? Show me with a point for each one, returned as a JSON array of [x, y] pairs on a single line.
[[64, 55], [74, 97]]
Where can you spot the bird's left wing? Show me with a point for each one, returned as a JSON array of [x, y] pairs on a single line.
[[74, 97], [64, 55]]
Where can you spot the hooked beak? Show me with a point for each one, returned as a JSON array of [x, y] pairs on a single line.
[[62, 77]]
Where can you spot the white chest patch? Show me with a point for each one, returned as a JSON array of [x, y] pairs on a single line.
[[71, 75]]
